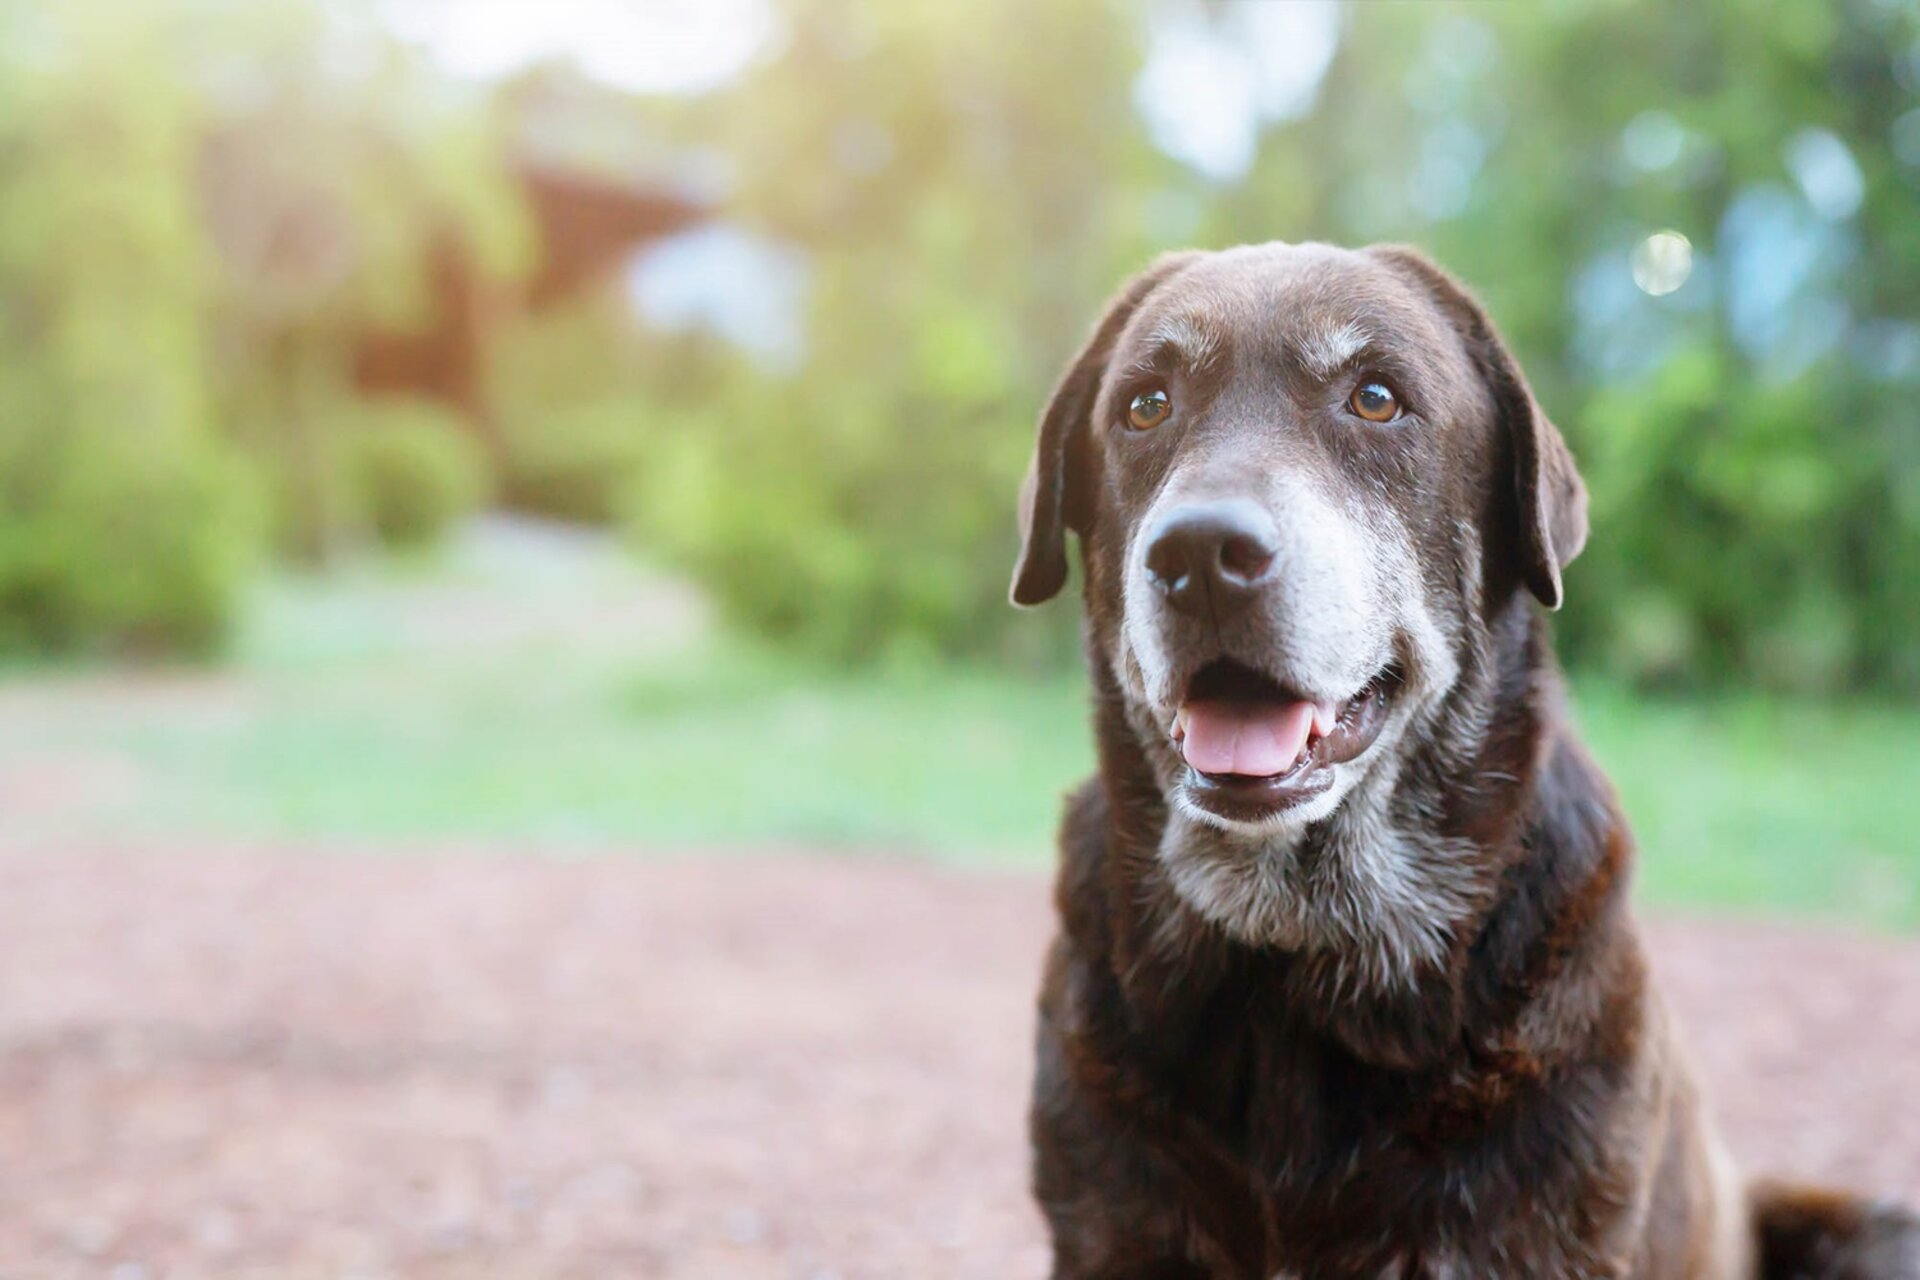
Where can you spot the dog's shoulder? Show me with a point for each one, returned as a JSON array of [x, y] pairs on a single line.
[[1078, 889]]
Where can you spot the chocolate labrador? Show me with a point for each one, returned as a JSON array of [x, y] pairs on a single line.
[[1346, 983]]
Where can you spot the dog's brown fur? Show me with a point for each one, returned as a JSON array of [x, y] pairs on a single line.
[[1511, 1103]]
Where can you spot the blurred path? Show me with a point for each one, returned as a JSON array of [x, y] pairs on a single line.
[[503, 585], [515, 614], [307, 1064]]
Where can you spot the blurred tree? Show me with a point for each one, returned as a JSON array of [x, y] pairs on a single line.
[[125, 522], [206, 201], [1696, 223], [968, 184], [340, 180], [1746, 427], [413, 467]]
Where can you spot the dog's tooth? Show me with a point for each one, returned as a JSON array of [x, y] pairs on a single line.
[[1325, 716], [1178, 729]]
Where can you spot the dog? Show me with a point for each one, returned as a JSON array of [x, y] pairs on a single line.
[[1346, 983]]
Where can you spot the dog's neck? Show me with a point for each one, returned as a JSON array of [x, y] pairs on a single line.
[[1391, 924]]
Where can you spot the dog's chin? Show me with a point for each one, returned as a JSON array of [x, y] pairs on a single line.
[[1198, 798]]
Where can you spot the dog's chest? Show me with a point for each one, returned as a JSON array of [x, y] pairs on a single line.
[[1353, 1169]]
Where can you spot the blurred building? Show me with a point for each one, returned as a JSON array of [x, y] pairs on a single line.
[[585, 227]]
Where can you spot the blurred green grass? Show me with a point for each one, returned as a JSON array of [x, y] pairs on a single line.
[[336, 724]]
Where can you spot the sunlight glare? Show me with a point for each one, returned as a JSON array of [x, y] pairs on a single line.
[[655, 46]]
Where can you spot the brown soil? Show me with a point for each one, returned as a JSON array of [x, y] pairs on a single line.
[[273, 1063]]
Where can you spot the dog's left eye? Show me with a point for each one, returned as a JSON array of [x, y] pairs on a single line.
[[1148, 410], [1375, 402]]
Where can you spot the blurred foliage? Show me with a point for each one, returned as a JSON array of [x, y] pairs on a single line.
[[338, 176], [204, 202], [414, 469], [969, 183], [125, 523], [578, 461], [1749, 439], [583, 402], [209, 203]]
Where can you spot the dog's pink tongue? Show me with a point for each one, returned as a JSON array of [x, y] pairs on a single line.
[[1258, 740]]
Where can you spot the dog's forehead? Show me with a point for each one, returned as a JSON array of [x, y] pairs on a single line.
[[1316, 302]]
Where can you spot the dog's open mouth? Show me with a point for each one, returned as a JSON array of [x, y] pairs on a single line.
[[1254, 748]]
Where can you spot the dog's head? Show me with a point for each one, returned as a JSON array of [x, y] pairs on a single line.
[[1304, 478]]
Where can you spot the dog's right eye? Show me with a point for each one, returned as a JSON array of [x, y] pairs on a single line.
[[1375, 402], [1148, 410]]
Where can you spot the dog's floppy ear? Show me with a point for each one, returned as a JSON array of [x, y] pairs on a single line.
[[1056, 494], [1549, 495]]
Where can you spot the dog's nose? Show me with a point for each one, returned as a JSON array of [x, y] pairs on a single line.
[[1212, 555]]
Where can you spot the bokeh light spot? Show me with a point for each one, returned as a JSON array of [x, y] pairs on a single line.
[[1662, 262]]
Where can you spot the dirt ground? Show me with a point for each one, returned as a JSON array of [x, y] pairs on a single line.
[[308, 1063]]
